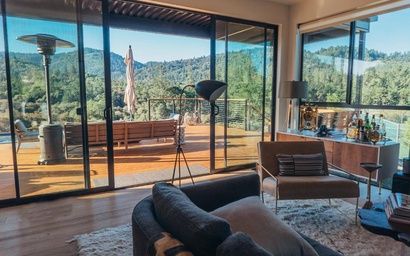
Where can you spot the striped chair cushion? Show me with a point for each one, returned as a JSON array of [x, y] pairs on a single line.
[[286, 165], [300, 165], [308, 164]]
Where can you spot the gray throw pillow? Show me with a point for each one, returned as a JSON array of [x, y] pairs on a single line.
[[240, 244], [308, 164], [286, 165], [300, 164], [200, 231]]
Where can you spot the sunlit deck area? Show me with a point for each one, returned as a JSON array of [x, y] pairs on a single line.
[[144, 162]]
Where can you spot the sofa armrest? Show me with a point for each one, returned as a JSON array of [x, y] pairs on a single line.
[[211, 195], [144, 226]]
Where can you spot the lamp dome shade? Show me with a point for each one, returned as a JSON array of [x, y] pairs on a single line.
[[210, 90], [293, 90]]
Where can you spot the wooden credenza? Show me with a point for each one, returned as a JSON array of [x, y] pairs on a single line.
[[347, 155]]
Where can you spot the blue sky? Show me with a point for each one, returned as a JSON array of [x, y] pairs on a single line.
[[388, 34]]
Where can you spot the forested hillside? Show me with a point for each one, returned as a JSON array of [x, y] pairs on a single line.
[[385, 77]]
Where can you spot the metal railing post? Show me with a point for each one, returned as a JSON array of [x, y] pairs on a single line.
[[246, 115], [149, 109]]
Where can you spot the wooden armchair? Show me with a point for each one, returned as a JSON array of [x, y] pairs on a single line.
[[23, 134], [300, 187]]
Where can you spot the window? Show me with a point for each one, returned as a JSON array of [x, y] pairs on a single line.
[[370, 67], [325, 63], [367, 70], [381, 68]]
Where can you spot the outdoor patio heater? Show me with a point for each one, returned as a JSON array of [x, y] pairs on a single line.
[[50, 135]]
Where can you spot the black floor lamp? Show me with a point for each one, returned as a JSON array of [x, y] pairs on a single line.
[[209, 90]]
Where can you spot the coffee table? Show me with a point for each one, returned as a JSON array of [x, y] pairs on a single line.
[[375, 221]]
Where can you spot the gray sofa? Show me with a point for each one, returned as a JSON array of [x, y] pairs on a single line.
[[209, 196]]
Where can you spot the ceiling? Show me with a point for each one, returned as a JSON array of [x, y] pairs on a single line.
[[286, 2]]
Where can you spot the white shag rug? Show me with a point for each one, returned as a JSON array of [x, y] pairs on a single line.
[[332, 225]]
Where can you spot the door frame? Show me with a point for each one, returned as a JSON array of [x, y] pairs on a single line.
[[266, 27]]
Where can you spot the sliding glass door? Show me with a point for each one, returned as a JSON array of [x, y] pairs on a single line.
[[244, 60]]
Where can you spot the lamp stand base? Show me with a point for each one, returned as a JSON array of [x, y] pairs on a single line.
[[178, 154]]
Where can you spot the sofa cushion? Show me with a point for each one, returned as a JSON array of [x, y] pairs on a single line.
[[312, 187], [251, 216], [200, 231], [240, 244]]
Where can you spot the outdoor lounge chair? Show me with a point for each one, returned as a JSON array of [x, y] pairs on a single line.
[[23, 134], [300, 187]]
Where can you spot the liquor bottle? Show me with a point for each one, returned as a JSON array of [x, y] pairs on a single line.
[[366, 122], [360, 120], [382, 130], [373, 122]]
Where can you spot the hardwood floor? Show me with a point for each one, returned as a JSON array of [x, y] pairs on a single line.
[[44, 228]]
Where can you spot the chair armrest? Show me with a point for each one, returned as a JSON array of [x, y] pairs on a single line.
[[261, 169], [350, 175], [210, 195]]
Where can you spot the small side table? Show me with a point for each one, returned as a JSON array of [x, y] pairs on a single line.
[[370, 168], [401, 183]]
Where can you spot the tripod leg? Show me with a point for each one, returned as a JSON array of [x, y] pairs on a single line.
[[175, 167], [187, 166], [179, 166]]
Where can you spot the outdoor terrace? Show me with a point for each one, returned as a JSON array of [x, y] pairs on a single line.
[[144, 162]]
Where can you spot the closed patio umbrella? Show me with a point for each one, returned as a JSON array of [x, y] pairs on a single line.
[[129, 97]]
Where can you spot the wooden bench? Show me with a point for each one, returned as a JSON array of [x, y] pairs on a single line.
[[124, 132]]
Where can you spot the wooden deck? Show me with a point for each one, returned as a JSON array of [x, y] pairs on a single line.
[[146, 161]]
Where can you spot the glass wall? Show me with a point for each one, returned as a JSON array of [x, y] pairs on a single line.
[[60, 96], [382, 63], [41, 114], [163, 64], [95, 94], [245, 62], [325, 63], [7, 188], [378, 80]]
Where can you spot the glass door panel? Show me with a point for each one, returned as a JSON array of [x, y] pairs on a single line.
[[46, 122], [95, 94], [7, 188], [245, 92], [245, 61], [144, 148], [269, 84], [220, 75]]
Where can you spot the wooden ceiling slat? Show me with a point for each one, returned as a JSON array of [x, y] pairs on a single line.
[[134, 10], [113, 5], [166, 14], [158, 14], [154, 12], [199, 20], [142, 10], [184, 17], [150, 12], [121, 7], [128, 8]]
